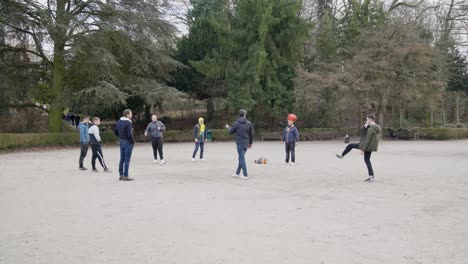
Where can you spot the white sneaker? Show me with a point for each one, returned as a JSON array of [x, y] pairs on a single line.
[[243, 177], [283, 163], [193, 159], [235, 175], [203, 159], [163, 162], [292, 164], [155, 161]]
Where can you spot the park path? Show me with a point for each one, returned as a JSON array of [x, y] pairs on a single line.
[[192, 212]]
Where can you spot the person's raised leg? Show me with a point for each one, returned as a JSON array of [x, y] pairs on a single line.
[[348, 149]]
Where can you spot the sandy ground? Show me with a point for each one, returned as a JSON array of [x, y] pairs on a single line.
[[193, 212]]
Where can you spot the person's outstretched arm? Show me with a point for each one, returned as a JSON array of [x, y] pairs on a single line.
[[233, 128], [162, 127]]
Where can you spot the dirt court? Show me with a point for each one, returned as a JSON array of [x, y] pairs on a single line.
[[185, 212]]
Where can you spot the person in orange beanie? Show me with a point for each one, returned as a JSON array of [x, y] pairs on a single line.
[[290, 138]]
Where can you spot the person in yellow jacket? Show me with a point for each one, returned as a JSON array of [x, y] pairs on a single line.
[[199, 136]]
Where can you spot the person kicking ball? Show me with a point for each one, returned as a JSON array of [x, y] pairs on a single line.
[[369, 143]]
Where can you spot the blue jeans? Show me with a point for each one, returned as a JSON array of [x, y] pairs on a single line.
[[200, 143], [125, 155], [241, 150]]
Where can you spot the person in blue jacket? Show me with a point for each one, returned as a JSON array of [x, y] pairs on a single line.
[[84, 141], [199, 136], [290, 138]]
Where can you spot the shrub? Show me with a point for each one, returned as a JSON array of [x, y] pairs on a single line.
[[24, 141], [443, 133]]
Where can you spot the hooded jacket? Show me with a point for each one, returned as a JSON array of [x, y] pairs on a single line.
[[371, 140], [244, 132]]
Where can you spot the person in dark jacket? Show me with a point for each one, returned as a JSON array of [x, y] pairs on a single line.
[[155, 129], [369, 143], [123, 130], [244, 138], [84, 141], [95, 142], [290, 138], [199, 136]]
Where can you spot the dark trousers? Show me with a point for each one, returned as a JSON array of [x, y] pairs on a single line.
[[199, 144], [126, 150], [97, 154], [157, 144], [83, 152], [242, 165], [290, 151], [367, 156], [349, 148]]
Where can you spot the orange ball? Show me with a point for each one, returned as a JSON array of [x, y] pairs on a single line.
[[292, 117]]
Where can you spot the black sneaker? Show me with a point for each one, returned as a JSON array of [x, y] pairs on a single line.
[[106, 170], [125, 179], [95, 170], [339, 156], [370, 179], [83, 168]]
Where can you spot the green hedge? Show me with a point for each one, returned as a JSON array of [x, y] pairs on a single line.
[[443, 133], [24, 141]]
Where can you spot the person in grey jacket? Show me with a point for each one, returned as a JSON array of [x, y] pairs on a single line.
[[156, 128], [244, 138]]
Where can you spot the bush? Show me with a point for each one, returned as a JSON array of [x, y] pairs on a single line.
[[24, 141], [443, 133]]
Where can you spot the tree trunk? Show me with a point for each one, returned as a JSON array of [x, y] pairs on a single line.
[[58, 71], [56, 105], [443, 112], [432, 118], [209, 109], [400, 112], [381, 118], [457, 108]]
